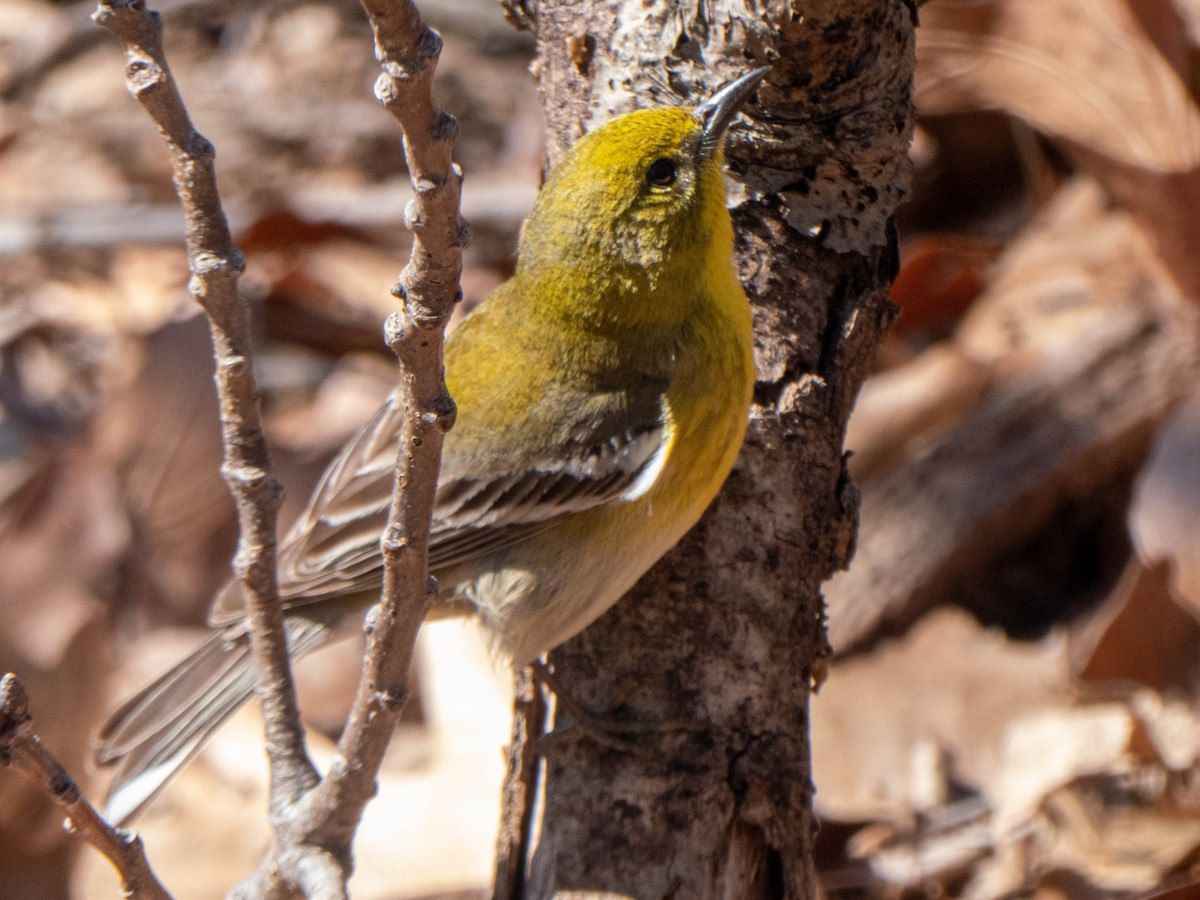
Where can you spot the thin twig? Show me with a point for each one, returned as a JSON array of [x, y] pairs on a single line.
[[315, 819], [321, 828], [429, 287], [215, 264], [22, 750]]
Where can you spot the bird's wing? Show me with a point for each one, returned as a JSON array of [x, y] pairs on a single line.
[[333, 549]]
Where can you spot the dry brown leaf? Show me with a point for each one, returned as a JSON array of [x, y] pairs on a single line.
[[1189, 11], [1121, 848], [1164, 517], [1085, 344], [1086, 843], [1046, 749], [1083, 70], [1104, 77], [950, 682], [1141, 635], [940, 277], [912, 402], [1080, 274], [914, 861], [1170, 727], [973, 761]]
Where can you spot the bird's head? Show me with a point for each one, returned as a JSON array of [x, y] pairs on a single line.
[[637, 204]]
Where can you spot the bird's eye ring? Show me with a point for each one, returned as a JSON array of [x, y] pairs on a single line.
[[661, 173]]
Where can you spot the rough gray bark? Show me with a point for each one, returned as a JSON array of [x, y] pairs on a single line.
[[716, 649]]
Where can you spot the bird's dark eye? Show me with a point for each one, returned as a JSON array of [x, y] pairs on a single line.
[[661, 173]]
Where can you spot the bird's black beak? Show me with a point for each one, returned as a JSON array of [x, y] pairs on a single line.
[[716, 113]]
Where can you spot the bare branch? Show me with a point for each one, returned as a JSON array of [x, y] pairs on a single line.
[[315, 819], [215, 265], [21, 749], [429, 288], [318, 832]]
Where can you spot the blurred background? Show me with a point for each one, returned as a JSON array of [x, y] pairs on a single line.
[[1014, 702], [115, 525]]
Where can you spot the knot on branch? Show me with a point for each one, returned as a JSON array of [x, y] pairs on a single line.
[[445, 412], [144, 75], [251, 479], [394, 541], [417, 316], [115, 14], [234, 365], [414, 61], [386, 91], [395, 327], [429, 44], [413, 219], [424, 317], [463, 238], [227, 264], [393, 698], [14, 706], [199, 147], [445, 128], [63, 787], [371, 620]]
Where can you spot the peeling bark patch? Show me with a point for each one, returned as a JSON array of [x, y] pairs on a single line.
[[581, 48]]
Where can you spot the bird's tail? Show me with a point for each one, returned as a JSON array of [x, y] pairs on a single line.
[[156, 732]]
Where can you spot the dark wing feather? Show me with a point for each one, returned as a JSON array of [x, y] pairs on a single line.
[[333, 549]]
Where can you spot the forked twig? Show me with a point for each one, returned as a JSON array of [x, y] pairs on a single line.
[[315, 819], [429, 288]]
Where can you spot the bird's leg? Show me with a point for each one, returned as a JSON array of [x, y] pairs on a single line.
[[600, 728]]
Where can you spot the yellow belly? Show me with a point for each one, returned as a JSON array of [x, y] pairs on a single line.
[[547, 589]]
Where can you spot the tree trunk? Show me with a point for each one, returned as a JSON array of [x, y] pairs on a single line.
[[714, 652]]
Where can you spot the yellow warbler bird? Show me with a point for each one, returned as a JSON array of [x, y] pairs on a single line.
[[602, 394]]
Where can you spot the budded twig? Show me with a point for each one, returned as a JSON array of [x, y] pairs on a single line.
[[21, 749], [520, 786], [429, 287], [215, 264], [318, 835], [315, 819]]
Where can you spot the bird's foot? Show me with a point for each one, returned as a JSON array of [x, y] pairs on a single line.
[[603, 729]]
